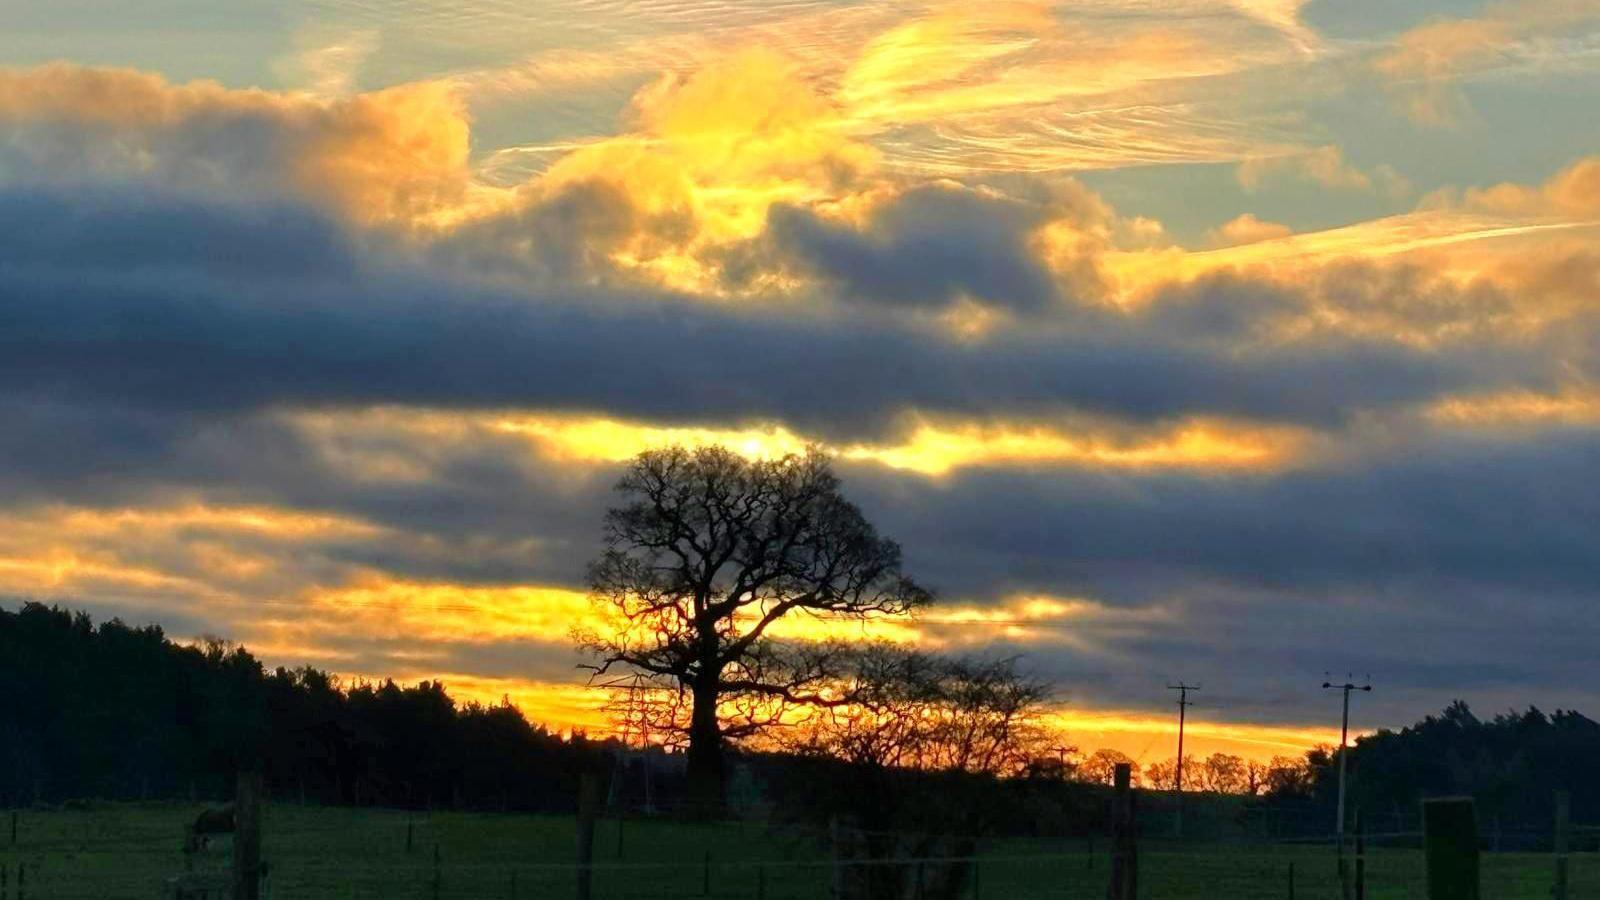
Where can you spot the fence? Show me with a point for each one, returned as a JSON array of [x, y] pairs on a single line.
[[116, 851]]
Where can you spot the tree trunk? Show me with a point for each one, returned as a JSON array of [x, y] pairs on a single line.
[[705, 748]]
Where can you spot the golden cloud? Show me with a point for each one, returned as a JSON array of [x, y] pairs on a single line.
[[1425, 63], [162, 556], [1323, 165], [938, 448], [1247, 229], [707, 155], [396, 156], [1520, 238]]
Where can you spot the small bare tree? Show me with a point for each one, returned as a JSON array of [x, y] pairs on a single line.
[[915, 710], [707, 552], [921, 735]]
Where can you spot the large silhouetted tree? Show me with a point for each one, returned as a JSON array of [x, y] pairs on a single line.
[[708, 550]]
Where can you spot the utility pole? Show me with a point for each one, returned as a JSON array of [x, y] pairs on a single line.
[[1344, 742], [1183, 707]]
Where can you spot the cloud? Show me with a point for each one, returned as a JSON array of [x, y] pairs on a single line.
[[948, 89], [326, 62], [393, 156], [1531, 243], [1325, 166], [195, 335], [1572, 194], [1421, 539], [702, 159], [1247, 229], [927, 247], [288, 366], [1425, 65]]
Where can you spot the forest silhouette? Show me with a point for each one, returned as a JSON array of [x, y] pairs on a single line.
[[112, 711]]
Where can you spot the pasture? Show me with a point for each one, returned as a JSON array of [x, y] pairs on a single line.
[[115, 851]]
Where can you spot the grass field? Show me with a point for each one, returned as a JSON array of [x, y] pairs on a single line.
[[127, 851]]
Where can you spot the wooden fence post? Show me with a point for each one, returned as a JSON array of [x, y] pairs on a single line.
[[1450, 836], [249, 787], [13, 828], [588, 803], [1291, 880], [1132, 837], [410, 833], [1563, 814], [705, 875], [1124, 883]]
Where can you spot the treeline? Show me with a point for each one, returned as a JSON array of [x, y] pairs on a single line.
[[1511, 764], [1219, 773], [117, 712]]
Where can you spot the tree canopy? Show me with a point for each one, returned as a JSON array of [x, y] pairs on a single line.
[[707, 552]]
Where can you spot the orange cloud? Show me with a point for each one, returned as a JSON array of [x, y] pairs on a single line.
[[170, 556], [380, 607], [1424, 63], [396, 156], [1323, 165], [1579, 405], [938, 448], [1571, 194], [1522, 238], [1247, 229], [707, 155]]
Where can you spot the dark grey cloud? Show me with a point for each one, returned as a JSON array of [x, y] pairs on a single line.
[[1439, 507], [152, 348], [1445, 566], [927, 248], [217, 317]]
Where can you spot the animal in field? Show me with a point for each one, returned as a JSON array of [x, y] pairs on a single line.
[[208, 829]]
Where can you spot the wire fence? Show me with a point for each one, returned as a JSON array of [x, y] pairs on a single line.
[[341, 853]]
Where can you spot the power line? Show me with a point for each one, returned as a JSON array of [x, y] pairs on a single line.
[[1183, 708], [1344, 741]]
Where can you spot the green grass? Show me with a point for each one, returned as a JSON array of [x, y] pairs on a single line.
[[128, 850]]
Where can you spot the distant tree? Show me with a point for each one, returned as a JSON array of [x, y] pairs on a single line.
[[1288, 777], [707, 552], [1255, 777], [1224, 773], [1163, 775], [1100, 766], [912, 709]]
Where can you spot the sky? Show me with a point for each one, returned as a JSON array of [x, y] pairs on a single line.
[[1232, 341]]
